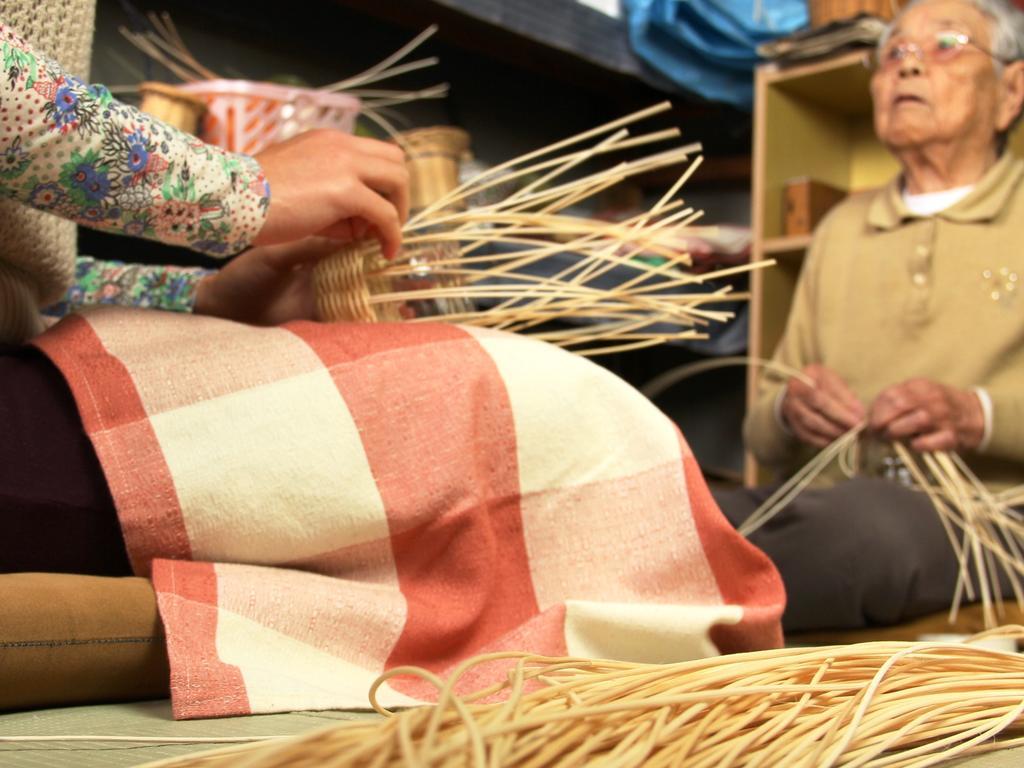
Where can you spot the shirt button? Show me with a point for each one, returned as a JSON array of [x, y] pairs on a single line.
[[920, 279], [923, 250]]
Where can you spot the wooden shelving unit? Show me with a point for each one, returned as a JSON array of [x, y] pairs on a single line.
[[809, 120]]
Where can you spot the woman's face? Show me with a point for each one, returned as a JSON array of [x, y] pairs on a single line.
[[940, 91]]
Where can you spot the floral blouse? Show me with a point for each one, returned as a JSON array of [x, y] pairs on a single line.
[[134, 285], [70, 148]]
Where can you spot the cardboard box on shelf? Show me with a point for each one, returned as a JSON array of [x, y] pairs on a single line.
[[806, 201], [824, 11]]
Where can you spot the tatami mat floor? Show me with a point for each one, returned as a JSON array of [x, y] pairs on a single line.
[[149, 718], [153, 718]]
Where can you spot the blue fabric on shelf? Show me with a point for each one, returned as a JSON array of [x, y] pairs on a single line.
[[710, 46]]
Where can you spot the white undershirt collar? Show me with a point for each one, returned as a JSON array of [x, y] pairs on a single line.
[[929, 203]]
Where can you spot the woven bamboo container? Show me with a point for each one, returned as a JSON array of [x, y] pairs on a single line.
[[826, 11], [342, 287], [433, 158], [172, 105], [345, 282]]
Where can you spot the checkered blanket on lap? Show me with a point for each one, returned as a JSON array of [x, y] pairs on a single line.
[[317, 504]]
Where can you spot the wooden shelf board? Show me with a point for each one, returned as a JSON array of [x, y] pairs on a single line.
[[781, 246], [841, 84]]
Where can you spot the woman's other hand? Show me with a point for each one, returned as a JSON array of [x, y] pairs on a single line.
[[266, 285]]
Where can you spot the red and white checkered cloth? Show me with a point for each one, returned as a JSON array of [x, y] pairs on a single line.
[[319, 503]]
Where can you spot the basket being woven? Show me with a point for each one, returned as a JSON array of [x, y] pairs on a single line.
[[347, 282], [342, 286], [351, 288]]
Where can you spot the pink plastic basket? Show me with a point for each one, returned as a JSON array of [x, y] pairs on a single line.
[[243, 116]]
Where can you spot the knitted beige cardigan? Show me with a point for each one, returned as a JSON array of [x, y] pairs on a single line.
[[37, 250]]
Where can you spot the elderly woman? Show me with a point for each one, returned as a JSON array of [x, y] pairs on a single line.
[[907, 318]]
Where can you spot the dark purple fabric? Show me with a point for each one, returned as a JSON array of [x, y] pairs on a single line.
[[56, 512]]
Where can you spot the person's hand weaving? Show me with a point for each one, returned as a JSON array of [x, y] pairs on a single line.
[[820, 413], [931, 416], [334, 185], [266, 285], [327, 188]]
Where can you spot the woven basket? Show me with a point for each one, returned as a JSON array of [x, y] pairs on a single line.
[[172, 105], [826, 11], [342, 288], [433, 156], [346, 282]]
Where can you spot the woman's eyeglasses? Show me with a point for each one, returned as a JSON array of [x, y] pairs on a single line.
[[942, 47]]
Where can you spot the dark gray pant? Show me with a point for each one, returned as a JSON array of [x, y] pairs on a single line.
[[865, 552]]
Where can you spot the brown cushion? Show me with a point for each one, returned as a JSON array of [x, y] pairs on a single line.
[[67, 639]]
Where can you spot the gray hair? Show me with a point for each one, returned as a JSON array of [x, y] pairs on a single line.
[[1006, 33], [1007, 27]]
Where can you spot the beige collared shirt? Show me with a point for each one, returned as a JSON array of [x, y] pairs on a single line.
[[885, 296]]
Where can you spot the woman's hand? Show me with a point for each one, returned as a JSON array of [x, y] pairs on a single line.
[[328, 183], [933, 416], [820, 413], [266, 285]]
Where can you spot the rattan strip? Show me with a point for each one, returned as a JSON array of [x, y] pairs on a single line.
[[342, 289], [869, 704], [648, 301]]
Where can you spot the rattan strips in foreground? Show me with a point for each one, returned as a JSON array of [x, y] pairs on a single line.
[[868, 704]]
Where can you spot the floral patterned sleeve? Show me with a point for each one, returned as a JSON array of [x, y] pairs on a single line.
[[130, 285], [72, 149]]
